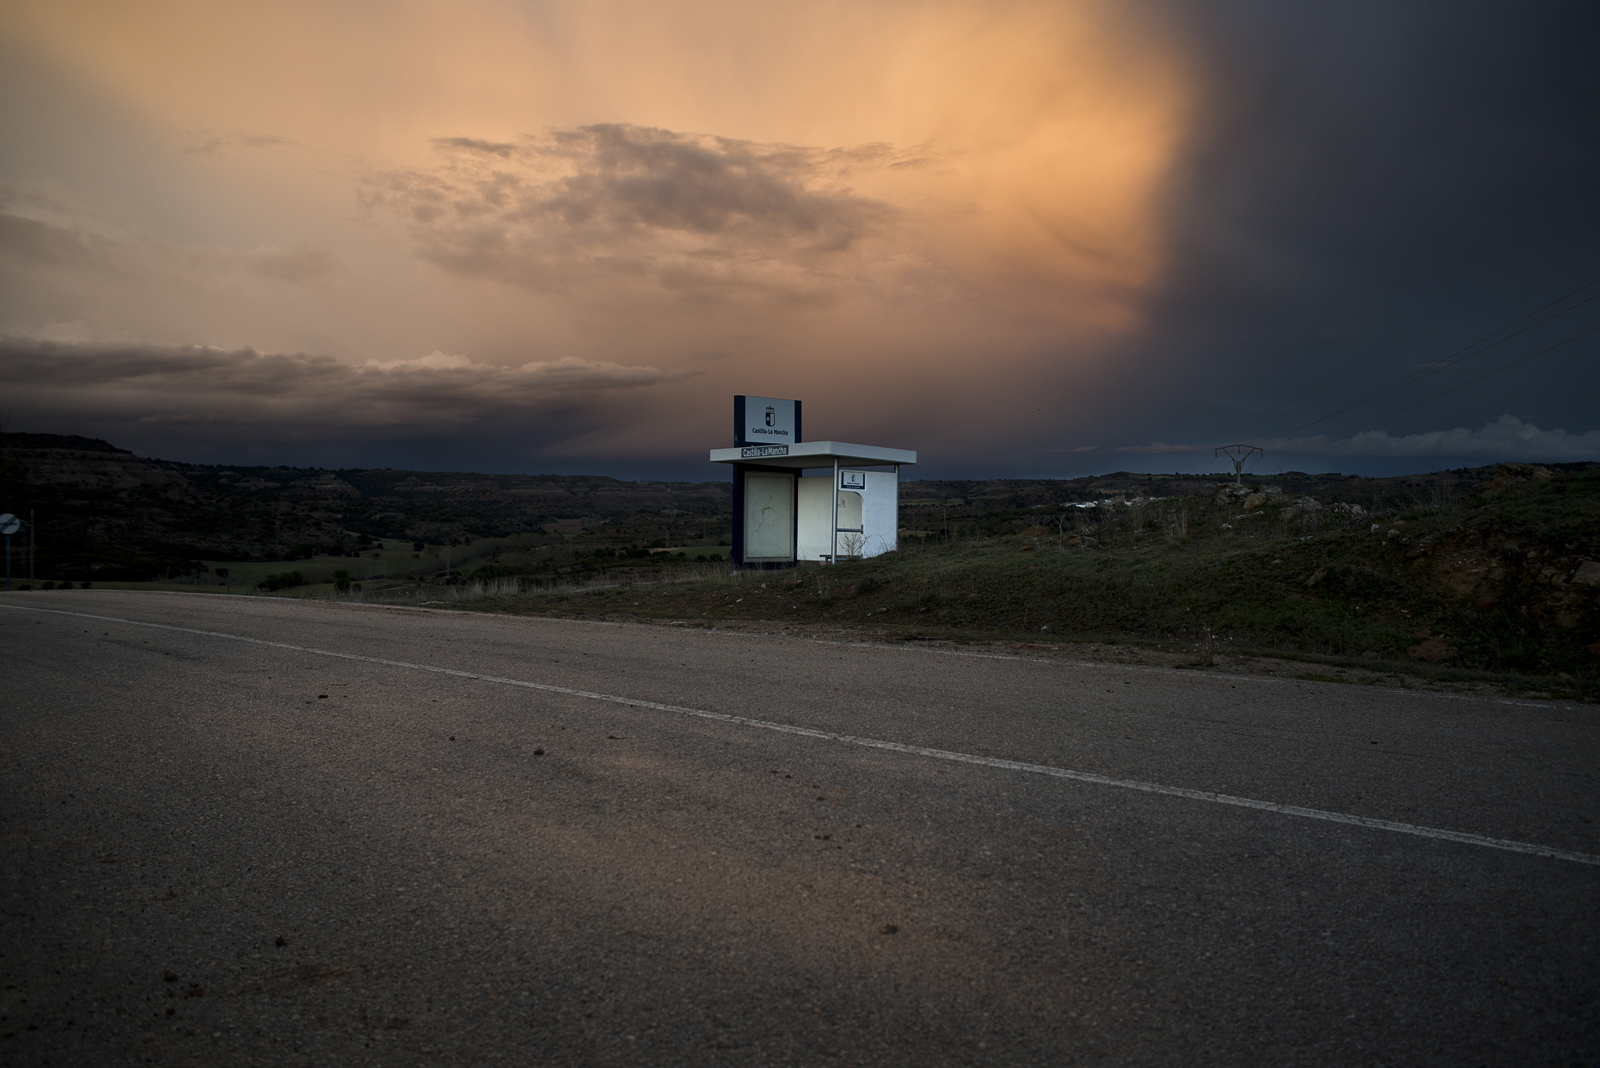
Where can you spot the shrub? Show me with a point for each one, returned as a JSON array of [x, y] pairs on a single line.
[[285, 581]]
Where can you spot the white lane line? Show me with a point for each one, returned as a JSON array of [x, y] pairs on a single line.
[[895, 747]]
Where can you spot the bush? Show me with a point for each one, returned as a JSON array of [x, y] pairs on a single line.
[[285, 581], [341, 580]]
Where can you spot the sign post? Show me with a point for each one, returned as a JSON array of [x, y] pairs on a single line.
[[833, 523], [9, 525]]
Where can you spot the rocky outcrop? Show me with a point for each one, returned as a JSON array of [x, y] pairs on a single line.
[[1547, 583], [1508, 475]]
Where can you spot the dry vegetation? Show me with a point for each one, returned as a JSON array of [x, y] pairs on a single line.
[[1500, 580]]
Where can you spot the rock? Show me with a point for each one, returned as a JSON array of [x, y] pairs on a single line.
[[1255, 500], [1308, 504], [1588, 574], [1511, 474]]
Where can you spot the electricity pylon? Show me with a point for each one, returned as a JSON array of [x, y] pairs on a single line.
[[1238, 454]]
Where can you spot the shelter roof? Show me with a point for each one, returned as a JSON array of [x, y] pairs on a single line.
[[814, 454]]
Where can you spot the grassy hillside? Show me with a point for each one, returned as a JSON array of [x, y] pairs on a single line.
[[1482, 569], [1503, 579]]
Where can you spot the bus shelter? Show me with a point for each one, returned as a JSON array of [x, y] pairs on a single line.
[[813, 501]]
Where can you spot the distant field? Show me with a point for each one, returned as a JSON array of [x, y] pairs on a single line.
[[394, 564], [396, 561]]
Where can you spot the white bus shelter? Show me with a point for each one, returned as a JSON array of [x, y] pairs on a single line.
[[783, 516]]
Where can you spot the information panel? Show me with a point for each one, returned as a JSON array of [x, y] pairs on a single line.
[[765, 421]]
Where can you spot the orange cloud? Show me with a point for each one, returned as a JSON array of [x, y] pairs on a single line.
[[952, 188]]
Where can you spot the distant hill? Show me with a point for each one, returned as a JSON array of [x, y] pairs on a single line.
[[105, 513], [102, 512]]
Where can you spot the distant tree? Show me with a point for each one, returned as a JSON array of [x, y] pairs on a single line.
[[285, 581]]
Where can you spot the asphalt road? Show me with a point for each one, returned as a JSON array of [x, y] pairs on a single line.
[[220, 850]]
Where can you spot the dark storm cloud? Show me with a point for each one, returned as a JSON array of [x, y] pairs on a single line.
[[1368, 188], [298, 395], [630, 178], [1506, 438], [612, 202]]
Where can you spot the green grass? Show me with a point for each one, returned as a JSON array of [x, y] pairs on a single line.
[[398, 561], [1494, 574], [1191, 574]]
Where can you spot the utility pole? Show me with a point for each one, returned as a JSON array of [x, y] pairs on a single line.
[[31, 552], [9, 525], [1237, 455]]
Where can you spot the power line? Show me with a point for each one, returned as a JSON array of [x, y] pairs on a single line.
[[1459, 357]]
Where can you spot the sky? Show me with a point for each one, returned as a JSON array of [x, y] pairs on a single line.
[[1023, 239]]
